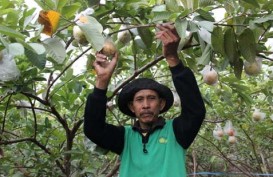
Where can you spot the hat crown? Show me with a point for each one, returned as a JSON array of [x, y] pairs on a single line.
[[127, 93]]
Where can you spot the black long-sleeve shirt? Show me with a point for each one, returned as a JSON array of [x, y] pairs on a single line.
[[186, 125]]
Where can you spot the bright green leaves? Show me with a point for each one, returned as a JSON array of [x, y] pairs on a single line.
[[10, 32], [70, 10], [172, 5], [190, 4]]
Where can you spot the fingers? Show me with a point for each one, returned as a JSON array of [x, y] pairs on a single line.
[[101, 57], [115, 57], [102, 61], [167, 33], [166, 26]]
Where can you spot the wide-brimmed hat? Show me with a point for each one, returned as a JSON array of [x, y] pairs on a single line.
[[127, 94]]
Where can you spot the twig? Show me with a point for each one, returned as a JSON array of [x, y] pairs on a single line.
[[66, 68], [5, 114], [226, 158]]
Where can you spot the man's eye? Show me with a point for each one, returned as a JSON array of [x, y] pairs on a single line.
[[139, 99]]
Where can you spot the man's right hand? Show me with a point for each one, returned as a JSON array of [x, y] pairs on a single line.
[[104, 69]]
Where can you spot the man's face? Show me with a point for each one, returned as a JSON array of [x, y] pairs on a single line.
[[146, 105]]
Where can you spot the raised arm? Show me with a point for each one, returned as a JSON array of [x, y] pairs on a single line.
[[95, 127], [187, 125]]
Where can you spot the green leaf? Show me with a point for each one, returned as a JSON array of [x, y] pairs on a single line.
[[195, 4], [39, 78], [206, 56], [138, 43], [263, 19], [161, 16], [172, 5], [30, 15], [93, 2], [193, 26], [247, 45], [159, 8], [217, 40], [12, 17], [252, 2], [16, 49], [146, 36], [190, 4], [55, 49], [206, 25], [181, 27], [77, 87], [5, 4], [10, 32], [205, 15], [238, 67], [38, 48], [230, 45], [50, 4], [205, 3], [245, 97], [36, 59], [93, 33], [205, 35], [61, 4], [47, 123], [71, 9]]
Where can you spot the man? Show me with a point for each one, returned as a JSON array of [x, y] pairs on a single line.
[[153, 146]]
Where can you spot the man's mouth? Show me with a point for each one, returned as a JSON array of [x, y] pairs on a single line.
[[146, 114]]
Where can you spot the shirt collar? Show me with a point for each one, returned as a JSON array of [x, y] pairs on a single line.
[[157, 125]]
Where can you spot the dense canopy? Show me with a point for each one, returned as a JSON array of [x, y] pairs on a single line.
[[46, 54]]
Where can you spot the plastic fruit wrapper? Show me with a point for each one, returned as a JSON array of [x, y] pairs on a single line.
[[257, 115], [124, 36], [8, 67], [232, 139], [210, 76], [253, 68], [218, 132], [109, 49], [229, 129]]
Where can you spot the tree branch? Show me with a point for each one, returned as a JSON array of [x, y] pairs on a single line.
[[66, 68]]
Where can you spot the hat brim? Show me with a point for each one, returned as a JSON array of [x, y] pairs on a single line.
[[127, 94]]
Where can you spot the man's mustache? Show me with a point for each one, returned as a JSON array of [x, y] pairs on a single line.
[[146, 112]]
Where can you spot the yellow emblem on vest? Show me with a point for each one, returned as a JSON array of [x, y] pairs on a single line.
[[162, 140]]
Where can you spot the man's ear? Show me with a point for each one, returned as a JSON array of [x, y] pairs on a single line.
[[162, 103], [130, 105]]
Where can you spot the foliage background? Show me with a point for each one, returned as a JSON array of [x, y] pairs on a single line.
[[43, 91]]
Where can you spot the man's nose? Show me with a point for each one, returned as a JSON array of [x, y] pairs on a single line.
[[145, 104]]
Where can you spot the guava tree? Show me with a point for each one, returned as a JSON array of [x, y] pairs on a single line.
[[46, 55]]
